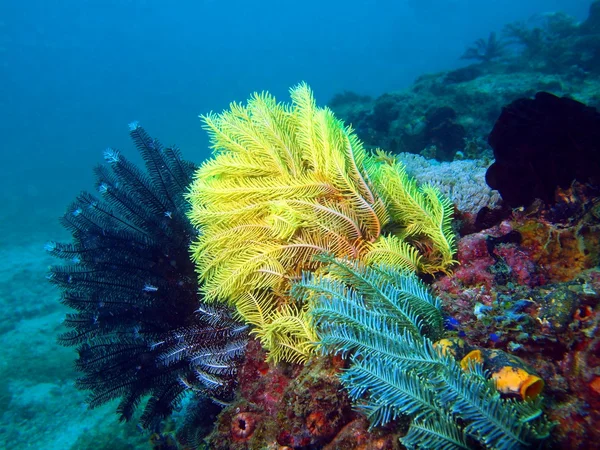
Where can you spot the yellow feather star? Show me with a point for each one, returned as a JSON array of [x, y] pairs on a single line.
[[288, 183]]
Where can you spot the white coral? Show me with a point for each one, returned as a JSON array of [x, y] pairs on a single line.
[[462, 181]]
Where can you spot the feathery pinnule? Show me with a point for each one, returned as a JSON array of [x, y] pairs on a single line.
[[286, 184]]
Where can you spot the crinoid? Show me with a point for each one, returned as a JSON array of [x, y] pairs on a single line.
[[386, 321], [290, 182], [139, 325]]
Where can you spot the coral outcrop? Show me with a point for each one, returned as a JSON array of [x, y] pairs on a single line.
[[530, 285], [552, 53]]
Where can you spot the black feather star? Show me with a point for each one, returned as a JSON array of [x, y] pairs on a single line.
[[140, 327]]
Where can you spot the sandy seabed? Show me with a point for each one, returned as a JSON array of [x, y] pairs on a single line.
[[40, 406]]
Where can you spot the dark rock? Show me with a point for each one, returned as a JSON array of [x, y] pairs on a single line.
[[443, 132], [464, 74], [384, 112], [541, 144]]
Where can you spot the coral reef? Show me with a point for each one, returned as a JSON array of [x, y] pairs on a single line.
[[357, 435], [371, 325], [530, 285], [294, 406], [523, 300], [288, 405], [553, 53]]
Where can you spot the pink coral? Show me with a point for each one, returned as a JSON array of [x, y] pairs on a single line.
[[474, 262], [523, 269], [242, 426], [319, 426]]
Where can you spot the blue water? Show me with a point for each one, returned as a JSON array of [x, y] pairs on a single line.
[[74, 73]]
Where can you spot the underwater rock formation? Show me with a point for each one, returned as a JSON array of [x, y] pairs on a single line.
[[555, 54]]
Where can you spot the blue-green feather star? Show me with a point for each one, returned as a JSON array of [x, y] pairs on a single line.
[[386, 321]]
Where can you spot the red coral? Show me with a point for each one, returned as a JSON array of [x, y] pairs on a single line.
[[242, 426], [472, 247], [261, 383], [318, 425], [474, 260], [522, 267]]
